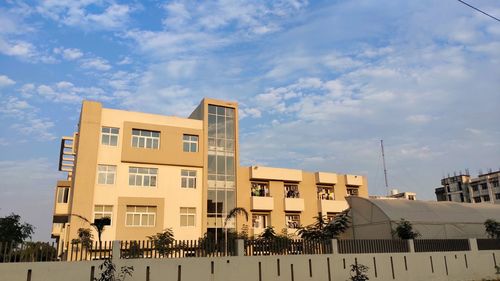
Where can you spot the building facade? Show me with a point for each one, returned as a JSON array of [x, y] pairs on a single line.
[[150, 172], [485, 188]]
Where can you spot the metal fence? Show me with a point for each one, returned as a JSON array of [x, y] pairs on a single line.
[[263, 247], [41, 251], [441, 245], [488, 244], [176, 249], [372, 246]]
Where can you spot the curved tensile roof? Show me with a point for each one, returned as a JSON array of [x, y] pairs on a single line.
[[431, 212]]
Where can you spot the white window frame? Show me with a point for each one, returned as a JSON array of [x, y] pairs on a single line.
[[145, 139], [103, 213], [188, 178], [190, 140], [147, 177], [185, 213], [292, 221], [108, 172], [62, 193], [110, 133], [148, 213], [261, 219]]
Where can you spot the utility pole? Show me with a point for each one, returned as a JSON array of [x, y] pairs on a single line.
[[385, 169]]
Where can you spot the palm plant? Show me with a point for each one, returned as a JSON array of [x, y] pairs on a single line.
[[324, 230], [231, 215]]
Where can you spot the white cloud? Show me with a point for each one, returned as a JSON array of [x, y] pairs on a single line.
[[6, 81], [17, 48], [36, 128], [87, 14], [419, 118], [96, 63], [69, 53]]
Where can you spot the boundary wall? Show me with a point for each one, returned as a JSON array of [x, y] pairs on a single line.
[[457, 266]]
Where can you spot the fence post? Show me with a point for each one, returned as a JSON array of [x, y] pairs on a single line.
[[473, 244], [411, 245], [335, 246], [115, 248], [240, 247]]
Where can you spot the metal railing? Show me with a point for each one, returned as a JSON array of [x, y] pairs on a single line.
[[263, 247], [372, 246], [176, 249], [488, 244], [441, 245]]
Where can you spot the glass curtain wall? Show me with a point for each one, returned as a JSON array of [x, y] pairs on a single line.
[[221, 165]]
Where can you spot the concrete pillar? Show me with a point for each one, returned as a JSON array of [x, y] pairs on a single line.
[[335, 246], [240, 247], [116, 250], [411, 246], [473, 244]]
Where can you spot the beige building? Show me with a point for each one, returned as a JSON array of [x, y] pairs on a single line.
[[485, 188], [150, 172]]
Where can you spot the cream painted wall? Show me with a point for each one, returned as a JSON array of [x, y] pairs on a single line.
[[168, 179]]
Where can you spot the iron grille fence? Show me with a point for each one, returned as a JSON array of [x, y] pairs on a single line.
[[263, 247], [372, 246], [441, 245], [176, 249], [27, 252], [488, 244]]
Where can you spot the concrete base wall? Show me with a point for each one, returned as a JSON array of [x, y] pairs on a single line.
[[470, 265]]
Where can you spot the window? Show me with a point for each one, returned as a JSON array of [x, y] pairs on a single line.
[[412, 197], [140, 216], [474, 188], [325, 192], [109, 136], [188, 216], [260, 189], [352, 191], [495, 183], [477, 199], [497, 196], [190, 143], [449, 197], [486, 198], [62, 194], [145, 139], [292, 221], [142, 176], [462, 199], [291, 191], [103, 211], [484, 186], [106, 174], [188, 178], [260, 221]]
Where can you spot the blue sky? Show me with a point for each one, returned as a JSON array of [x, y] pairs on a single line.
[[319, 83]]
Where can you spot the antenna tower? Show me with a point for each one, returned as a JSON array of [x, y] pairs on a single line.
[[385, 169]]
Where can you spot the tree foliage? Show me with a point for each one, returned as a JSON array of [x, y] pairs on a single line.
[[359, 272], [404, 230], [163, 240], [492, 227], [322, 229], [85, 237], [13, 231], [108, 272]]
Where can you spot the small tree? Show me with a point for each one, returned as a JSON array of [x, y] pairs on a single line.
[[231, 215], [492, 227], [404, 230], [163, 240], [13, 231], [85, 237], [324, 230], [108, 269], [268, 233], [358, 272]]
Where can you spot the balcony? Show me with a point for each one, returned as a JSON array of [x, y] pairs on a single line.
[[332, 206], [294, 204], [57, 229], [353, 180], [325, 178], [262, 203]]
